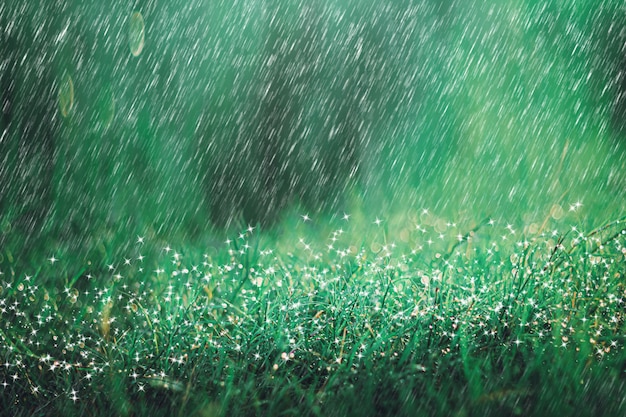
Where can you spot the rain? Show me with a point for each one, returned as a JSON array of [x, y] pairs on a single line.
[[191, 123], [242, 110]]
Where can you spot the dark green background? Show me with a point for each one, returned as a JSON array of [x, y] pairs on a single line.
[[242, 111]]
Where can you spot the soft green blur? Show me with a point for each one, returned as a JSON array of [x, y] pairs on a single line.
[[243, 112]]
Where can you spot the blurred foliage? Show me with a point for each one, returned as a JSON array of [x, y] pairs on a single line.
[[239, 112]]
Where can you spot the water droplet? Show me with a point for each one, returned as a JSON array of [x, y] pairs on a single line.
[[136, 33], [20, 286], [556, 212], [66, 95]]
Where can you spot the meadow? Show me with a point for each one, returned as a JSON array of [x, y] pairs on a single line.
[[437, 318], [135, 136]]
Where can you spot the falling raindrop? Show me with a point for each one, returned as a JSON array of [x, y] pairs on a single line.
[[136, 33], [66, 95]]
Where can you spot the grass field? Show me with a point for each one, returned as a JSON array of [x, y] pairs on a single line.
[[475, 320]]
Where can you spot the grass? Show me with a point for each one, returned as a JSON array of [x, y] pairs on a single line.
[[480, 321]]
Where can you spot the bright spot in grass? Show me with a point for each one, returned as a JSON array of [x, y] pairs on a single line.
[[425, 280], [556, 212]]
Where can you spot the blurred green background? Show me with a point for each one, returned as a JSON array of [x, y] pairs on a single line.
[[179, 119]]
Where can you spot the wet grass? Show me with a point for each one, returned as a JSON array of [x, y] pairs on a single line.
[[483, 320]]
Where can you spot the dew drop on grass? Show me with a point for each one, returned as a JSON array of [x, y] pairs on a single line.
[[136, 33], [20, 286], [66, 95]]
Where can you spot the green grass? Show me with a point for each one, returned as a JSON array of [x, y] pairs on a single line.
[[477, 320]]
